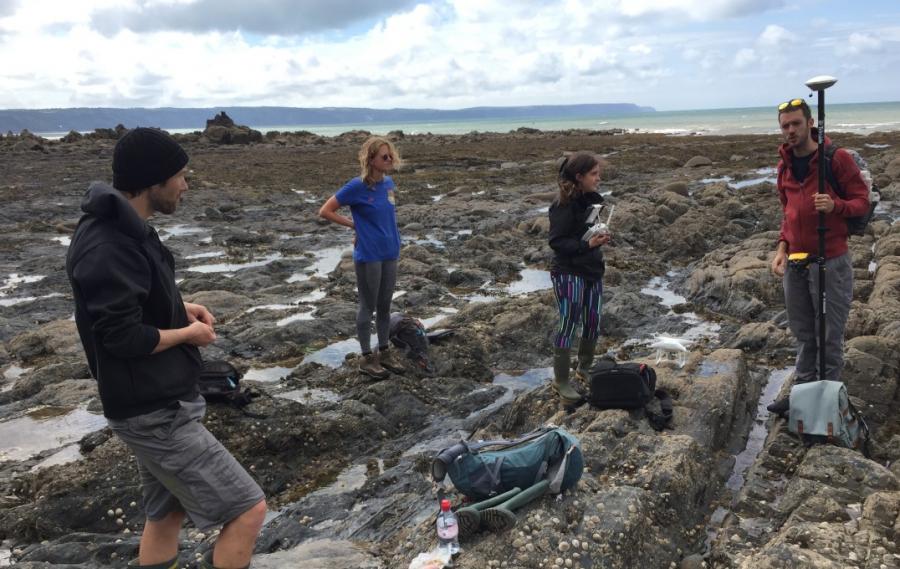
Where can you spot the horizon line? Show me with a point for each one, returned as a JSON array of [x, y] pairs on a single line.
[[812, 104]]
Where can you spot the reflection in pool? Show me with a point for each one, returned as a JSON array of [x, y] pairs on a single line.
[[46, 428]]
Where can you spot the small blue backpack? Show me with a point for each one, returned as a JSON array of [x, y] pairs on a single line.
[[821, 412]]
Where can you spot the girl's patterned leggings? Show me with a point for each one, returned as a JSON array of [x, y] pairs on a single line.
[[579, 300]]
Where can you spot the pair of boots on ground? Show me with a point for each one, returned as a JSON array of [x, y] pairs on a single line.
[[496, 514], [380, 363], [562, 367]]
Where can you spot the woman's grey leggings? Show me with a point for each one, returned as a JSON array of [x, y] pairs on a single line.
[[375, 282]]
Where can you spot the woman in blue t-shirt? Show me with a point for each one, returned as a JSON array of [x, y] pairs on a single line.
[[376, 248]]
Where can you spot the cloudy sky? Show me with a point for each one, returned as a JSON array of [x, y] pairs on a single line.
[[669, 54]]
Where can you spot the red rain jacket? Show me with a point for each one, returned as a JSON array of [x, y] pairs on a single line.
[[798, 226]]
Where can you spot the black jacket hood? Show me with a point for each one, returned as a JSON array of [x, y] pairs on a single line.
[[108, 204]]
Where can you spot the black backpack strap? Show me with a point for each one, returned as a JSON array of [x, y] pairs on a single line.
[[830, 149], [478, 445], [866, 447], [662, 420]]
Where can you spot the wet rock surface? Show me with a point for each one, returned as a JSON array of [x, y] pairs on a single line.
[[344, 460]]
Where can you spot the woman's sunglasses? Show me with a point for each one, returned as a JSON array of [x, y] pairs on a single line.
[[793, 103], [387, 157]]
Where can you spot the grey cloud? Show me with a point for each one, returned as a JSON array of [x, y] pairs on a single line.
[[295, 65], [150, 80], [737, 8], [311, 88], [599, 65], [392, 89], [92, 80], [58, 29], [548, 68], [8, 7], [710, 10], [149, 96], [265, 17], [482, 82]]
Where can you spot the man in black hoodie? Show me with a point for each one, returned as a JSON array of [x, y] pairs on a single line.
[[141, 340]]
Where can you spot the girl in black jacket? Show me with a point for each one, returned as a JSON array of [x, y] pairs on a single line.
[[577, 270]]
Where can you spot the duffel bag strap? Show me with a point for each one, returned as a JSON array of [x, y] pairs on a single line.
[[558, 472], [660, 421], [494, 473], [441, 462]]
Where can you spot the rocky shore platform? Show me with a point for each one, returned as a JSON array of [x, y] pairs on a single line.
[[344, 461]]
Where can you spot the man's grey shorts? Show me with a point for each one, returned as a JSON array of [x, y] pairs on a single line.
[[184, 467]]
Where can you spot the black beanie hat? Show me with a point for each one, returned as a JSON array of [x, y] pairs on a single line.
[[145, 157]]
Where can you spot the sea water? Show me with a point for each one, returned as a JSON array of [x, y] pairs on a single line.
[[862, 118]]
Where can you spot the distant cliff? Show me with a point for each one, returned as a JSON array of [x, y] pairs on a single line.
[[87, 119]]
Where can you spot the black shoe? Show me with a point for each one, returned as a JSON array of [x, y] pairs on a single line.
[[780, 407]]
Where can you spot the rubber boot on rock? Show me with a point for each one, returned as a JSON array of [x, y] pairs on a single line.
[[780, 407], [585, 358], [502, 518], [567, 394], [470, 516]]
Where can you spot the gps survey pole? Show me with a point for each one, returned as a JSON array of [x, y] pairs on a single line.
[[819, 84]]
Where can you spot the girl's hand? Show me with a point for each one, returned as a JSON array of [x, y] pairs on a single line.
[[599, 239]]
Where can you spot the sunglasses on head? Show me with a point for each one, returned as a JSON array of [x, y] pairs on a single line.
[[792, 104]]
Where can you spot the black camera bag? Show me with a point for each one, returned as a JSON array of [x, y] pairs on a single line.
[[629, 385], [220, 382]]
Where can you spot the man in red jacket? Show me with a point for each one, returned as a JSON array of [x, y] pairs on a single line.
[[798, 190]]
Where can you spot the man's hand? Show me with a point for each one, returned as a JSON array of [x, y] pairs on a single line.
[[823, 203], [199, 334], [779, 263], [198, 312]]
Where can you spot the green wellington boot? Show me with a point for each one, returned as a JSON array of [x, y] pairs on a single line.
[[585, 358], [502, 518], [567, 394], [470, 517]]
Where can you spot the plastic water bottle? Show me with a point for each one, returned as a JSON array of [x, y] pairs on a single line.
[[448, 528]]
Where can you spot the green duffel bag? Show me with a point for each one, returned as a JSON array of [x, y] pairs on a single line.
[[486, 468], [821, 412]]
